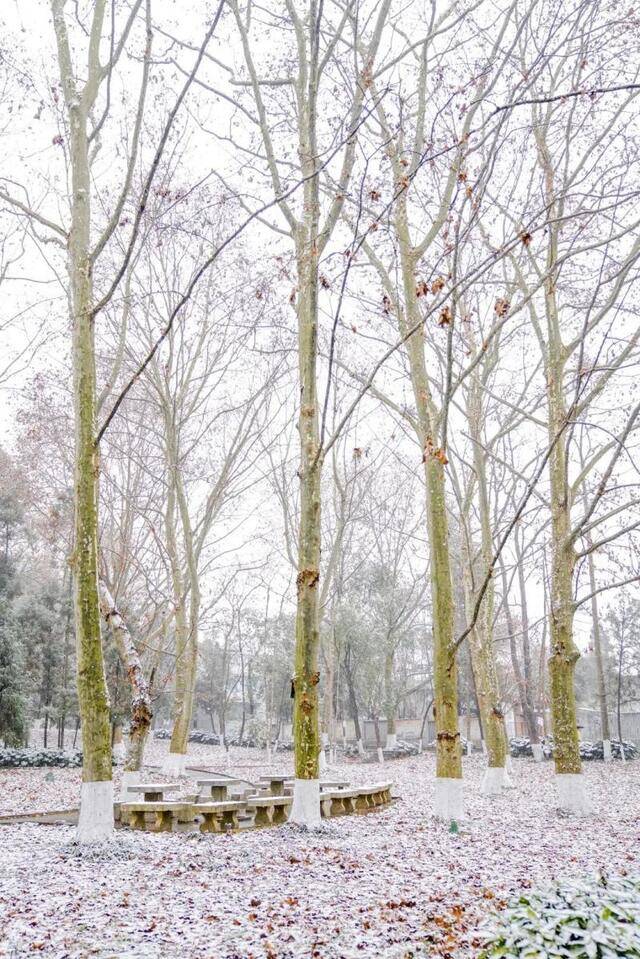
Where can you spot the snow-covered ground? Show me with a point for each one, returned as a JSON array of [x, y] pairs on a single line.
[[392, 883]]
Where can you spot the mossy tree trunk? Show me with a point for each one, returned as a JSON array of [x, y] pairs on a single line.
[[481, 645], [306, 675], [448, 756], [564, 653], [93, 698]]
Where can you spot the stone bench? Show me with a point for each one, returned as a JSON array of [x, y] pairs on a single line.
[[153, 792], [157, 816], [269, 809], [340, 802], [219, 816]]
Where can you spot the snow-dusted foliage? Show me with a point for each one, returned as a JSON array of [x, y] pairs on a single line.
[[591, 919]]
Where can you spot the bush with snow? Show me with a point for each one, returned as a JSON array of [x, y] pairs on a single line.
[[39, 757], [521, 746], [592, 919]]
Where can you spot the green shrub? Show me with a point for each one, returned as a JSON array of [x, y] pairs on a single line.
[[595, 918]]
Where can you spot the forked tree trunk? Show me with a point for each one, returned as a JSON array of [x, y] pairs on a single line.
[[141, 711]]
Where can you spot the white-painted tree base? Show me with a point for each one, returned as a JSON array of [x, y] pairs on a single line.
[[536, 749], [305, 809], [119, 751], [495, 779], [95, 822], [484, 748], [508, 763], [174, 764], [361, 750], [449, 799], [469, 749], [130, 777], [572, 794], [392, 741], [606, 750], [380, 754], [322, 761]]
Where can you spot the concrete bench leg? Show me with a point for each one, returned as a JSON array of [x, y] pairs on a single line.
[[261, 817], [210, 823], [279, 814], [377, 799], [350, 804], [325, 808], [229, 819], [337, 807], [163, 821], [362, 802], [136, 820]]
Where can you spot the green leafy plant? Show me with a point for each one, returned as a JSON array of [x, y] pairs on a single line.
[[596, 918]]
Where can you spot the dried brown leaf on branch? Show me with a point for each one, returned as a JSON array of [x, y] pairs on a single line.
[[502, 307], [445, 317], [422, 288]]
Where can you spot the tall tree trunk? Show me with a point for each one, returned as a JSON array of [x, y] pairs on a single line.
[[390, 701], [564, 652], [185, 623], [481, 637], [141, 711], [305, 809], [523, 686], [601, 685], [96, 804], [353, 701], [449, 787], [530, 717]]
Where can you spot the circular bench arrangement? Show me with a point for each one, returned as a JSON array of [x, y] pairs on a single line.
[[215, 809]]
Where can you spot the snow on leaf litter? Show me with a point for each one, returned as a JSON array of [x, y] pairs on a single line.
[[391, 883]]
